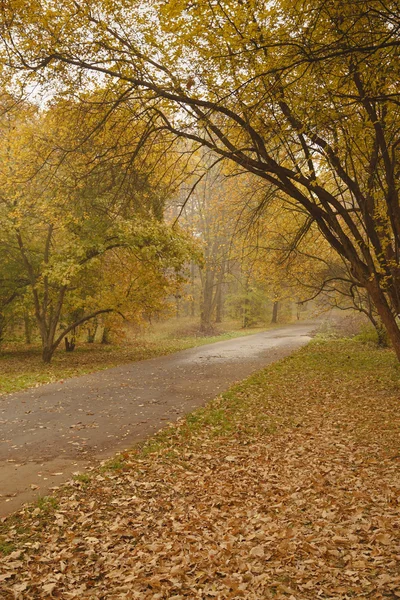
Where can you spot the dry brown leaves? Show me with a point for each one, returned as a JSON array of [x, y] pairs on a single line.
[[311, 512]]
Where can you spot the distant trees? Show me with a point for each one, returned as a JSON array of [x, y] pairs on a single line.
[[238, 276], [208, 215], [302, 95]]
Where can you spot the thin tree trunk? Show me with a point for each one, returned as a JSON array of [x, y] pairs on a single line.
[[219, 295], [105, 339], [2, 326], [27, 329], [193, 290], [246, 305], [91, 334], [207, 306], [246, 319], [70, 343], [218, 310], [298, 309], [275, 312]]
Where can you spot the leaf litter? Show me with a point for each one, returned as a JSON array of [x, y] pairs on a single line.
[[286, 487]]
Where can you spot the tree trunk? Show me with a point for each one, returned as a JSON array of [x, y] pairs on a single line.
[[385, 313], [246, 317], [298, 310], [193, 289], [382, 334], [177, 307], [383, 338], [275, 312], [105, 339], [2, 326], [69, 344], [91, 334], [207, 306], [218, 310], [206, 325], [47, 353], [28, 329]]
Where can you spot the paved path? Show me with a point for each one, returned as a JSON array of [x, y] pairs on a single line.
[[47, 433]]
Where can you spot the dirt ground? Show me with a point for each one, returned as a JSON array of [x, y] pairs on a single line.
[[49, 432]]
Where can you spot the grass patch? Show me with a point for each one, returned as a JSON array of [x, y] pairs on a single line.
[[46, 504], [82, 478], [16, 531], [6, 548], [114, 464]]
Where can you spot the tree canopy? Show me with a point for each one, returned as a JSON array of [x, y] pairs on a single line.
[[301, 94]]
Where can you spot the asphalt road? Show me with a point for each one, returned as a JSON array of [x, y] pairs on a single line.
[[49, 432]]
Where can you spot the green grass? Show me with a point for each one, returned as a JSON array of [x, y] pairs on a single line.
[[21, 367], [114, 464], [46, 504], [82, 478], [6, 548], [14, 528]]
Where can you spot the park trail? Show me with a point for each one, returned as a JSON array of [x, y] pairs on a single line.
[[50, 432]]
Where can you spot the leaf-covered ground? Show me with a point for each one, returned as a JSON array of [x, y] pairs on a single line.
[[285, 487]]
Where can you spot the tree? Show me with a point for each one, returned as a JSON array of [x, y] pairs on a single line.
[[215, 213], [210, 218], [302, 95], [68, 224], [12, 286]]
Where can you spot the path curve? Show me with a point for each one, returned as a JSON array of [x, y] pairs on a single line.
[[47, 433]]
